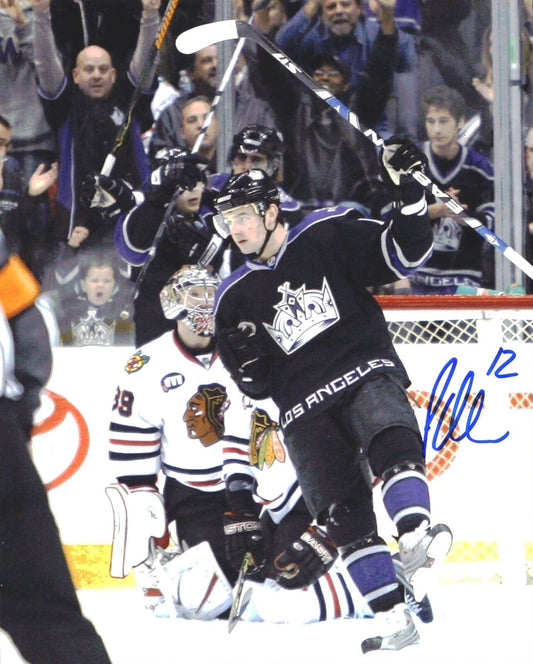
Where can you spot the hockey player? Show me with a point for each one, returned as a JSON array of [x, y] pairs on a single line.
[[257, 146], [173, 403], [187, 233], [296, 323]]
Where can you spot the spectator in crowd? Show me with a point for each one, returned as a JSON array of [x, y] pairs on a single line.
[[328, 161], [181, 129], [86, 113], [460, 256], [32, 140], [39, 607], [248, 107], [91, 311], [340, 28], [529, 202], [24, 210]]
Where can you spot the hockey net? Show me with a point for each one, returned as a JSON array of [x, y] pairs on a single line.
[[470, 360]]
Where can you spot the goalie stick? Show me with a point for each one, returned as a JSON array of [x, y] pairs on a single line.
[[146, 74], [202, 36]]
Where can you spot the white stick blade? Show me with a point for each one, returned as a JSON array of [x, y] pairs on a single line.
[[202, 36]]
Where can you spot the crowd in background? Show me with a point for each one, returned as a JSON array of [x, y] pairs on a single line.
[[420, 69]]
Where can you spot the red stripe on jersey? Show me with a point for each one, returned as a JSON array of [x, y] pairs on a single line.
[[336, 602], [205, 483], [235, 450], [134, 443]]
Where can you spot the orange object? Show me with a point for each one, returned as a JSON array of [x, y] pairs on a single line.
[[18, 286]]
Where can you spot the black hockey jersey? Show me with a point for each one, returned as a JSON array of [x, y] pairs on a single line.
[[321, 329], [460, 255]]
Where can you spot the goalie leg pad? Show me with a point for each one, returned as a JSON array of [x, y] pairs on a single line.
[[138, 515], [199, 588]]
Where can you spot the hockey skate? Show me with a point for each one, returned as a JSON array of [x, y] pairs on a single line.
[[421, 609], [419, 551], [397, 630]]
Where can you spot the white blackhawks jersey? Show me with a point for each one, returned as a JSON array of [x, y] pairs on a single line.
[[184, 416], [170, 413]]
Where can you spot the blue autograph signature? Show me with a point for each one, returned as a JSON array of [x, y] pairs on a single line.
[[440, 402]]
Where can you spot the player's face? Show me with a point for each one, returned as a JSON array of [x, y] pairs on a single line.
[[244, 161], [98, 285], [189, 201], [340, 16], [94, 74], [246, 227], [441, 128]]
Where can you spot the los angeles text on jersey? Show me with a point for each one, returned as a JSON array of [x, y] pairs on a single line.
[[333, 387]]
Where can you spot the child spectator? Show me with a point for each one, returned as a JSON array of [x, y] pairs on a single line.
[[91, 312]]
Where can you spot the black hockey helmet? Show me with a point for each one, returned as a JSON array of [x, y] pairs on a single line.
[[258, 138], [251, 187]]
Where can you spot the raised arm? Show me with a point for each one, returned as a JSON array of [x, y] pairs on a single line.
[[147, 33], [48, 64]]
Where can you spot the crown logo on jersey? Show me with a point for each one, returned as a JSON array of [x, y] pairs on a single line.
[[93, 331], [301, 315]]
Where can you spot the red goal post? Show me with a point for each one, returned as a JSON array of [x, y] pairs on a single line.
[[470, 360]]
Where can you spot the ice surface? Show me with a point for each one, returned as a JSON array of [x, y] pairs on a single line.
[[474, 624]]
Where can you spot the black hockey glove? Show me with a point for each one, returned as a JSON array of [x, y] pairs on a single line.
[[180, 170], [244, 358], [185, 240], [399, 157], [305, 560], [244, 534], [112, 196]]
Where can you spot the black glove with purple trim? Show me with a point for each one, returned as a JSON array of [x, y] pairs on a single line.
[[305, 560]]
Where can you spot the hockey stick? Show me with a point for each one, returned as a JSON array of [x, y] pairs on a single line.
[[212, 33], [238, 604], [146, 74]]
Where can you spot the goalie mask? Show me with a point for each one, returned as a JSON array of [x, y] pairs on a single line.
[[189, 296]]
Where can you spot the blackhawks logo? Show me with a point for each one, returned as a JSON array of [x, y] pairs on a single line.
[[136, 362], [265, 444]]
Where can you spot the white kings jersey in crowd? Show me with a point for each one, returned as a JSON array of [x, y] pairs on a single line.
[[172, 411]]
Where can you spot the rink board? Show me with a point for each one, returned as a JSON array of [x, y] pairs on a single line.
[[482, 488]]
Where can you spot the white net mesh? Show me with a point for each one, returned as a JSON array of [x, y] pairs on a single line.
[[489, 548]]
